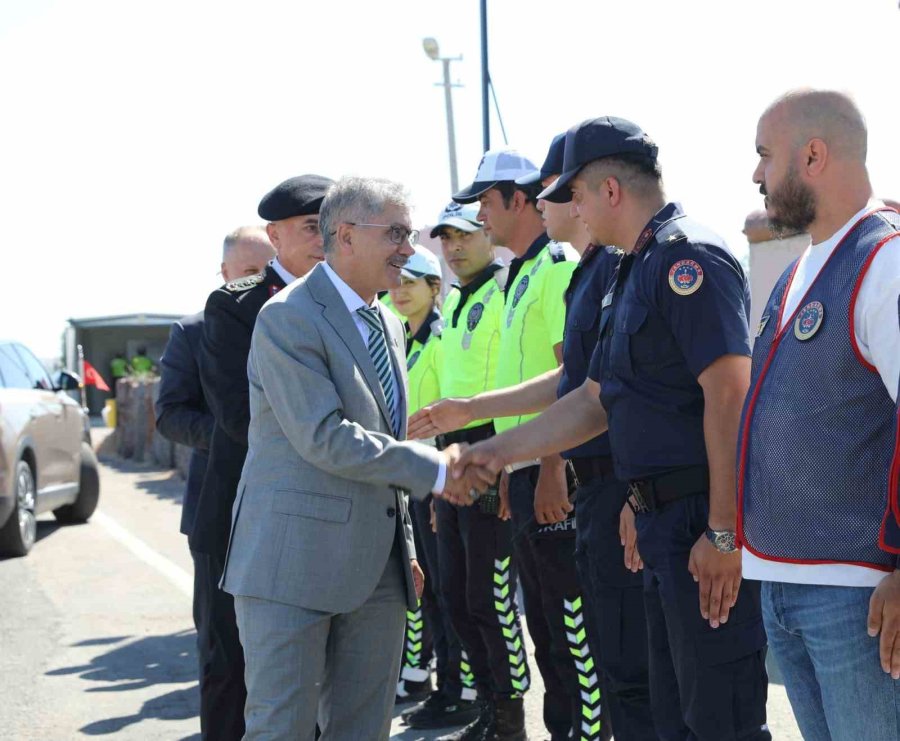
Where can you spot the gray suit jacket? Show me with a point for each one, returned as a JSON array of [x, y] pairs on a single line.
[[322, 495]]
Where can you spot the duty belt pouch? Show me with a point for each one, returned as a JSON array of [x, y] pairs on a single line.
[[489, 502]]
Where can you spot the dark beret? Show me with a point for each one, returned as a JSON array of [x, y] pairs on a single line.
[[297, 196]]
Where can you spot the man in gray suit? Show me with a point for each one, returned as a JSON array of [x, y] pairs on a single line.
[[321, 560]]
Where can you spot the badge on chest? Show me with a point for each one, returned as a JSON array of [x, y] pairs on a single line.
[[809, 320]]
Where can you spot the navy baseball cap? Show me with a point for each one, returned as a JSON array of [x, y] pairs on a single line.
[[496, 166], [553, 162], [592, 140]]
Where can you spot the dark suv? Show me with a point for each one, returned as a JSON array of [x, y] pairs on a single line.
[[46, 459]]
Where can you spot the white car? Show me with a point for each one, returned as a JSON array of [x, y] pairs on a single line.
[[46, 459]]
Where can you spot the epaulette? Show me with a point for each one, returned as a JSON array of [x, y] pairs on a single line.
[[245, 284], [557, 252], [501, 276], [670, 233], [437, 328]]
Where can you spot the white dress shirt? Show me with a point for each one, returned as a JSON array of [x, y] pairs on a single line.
[[282, 271], [877, 328], [353, 301]]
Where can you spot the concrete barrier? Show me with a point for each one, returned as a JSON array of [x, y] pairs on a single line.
[[136, 436]]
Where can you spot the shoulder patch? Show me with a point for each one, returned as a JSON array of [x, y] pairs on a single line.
[[685, 277], [244, 284], [557, 252], [520, 290]]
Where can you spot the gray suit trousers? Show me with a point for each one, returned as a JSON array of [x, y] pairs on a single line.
[[339, 669]]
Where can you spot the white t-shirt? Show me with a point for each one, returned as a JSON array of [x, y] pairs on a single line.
[[877, 327]]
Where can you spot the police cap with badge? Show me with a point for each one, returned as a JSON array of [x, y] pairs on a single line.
[[496, 166], [298, 196], [462, 216]]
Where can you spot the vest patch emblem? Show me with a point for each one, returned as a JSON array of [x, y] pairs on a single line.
[[520, 291], [474, 316], [808, 320], [412, 359], [685, 277]]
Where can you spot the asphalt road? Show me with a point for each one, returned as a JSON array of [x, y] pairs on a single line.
[[96, 637]]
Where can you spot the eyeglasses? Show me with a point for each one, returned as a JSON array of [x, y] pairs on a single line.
[[397, 234]]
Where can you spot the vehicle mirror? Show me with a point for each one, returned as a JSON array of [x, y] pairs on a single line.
[[68, 381]]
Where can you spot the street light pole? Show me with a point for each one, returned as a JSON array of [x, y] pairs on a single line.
[[432, 50], [451, 132], [485, 81]]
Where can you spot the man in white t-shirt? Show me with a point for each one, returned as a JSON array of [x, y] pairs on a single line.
[[819, 515]]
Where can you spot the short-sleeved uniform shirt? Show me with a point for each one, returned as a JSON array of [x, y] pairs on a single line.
[[534, 316], [679, 302], [423, 360], [470, 339], [584, 295]]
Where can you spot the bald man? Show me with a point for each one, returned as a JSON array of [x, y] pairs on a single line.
[[819, 516], [246, 251]]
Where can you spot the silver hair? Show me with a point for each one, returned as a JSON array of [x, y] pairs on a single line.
[[255, 234], [359, 200]]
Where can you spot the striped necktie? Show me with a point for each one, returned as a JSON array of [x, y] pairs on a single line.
[[378, 350]]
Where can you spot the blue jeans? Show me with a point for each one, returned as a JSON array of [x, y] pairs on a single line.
[[830, 665]]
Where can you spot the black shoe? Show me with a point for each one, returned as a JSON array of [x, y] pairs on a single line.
[[434, 698], [442, 712], [509, 721], [408, 691], [479, 729]]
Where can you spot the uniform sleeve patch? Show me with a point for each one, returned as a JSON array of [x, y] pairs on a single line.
[[685, 277]]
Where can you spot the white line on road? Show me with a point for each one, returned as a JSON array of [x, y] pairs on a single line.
[[182, 580]]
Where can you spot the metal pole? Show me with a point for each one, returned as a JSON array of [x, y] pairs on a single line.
[[485, 80], [451, 133]]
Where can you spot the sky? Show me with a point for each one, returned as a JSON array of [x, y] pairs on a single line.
[[134, 135]]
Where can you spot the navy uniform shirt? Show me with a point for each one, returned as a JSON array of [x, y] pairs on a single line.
[[679, 302], [229, 318], [587, 288]]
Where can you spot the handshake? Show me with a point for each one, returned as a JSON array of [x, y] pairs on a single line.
[[470, 469]]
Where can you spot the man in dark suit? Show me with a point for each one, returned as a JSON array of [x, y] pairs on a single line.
[[292, 212], [183, 416]]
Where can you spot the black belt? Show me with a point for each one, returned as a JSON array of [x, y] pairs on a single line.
[[588, 468], [470, 435], [647, 495]]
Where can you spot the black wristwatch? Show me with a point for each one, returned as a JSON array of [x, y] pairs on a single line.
[[722, 540]]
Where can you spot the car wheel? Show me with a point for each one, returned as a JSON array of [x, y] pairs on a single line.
[[88, 491], [18, 534]]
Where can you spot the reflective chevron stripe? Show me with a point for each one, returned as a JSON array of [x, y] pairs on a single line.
[[412, 654], [467, 678], [505, 605], [591, 707]]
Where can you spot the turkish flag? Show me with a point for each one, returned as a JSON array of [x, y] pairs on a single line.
[[93, 378]]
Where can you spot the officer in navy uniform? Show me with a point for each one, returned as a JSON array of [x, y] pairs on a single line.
[[671, 371], [292, 210], [182, 414], [612, 591]]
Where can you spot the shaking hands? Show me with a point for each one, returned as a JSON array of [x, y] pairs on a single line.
[[470, 468]]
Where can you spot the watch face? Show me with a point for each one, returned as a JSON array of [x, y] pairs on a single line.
[[723, 540]]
